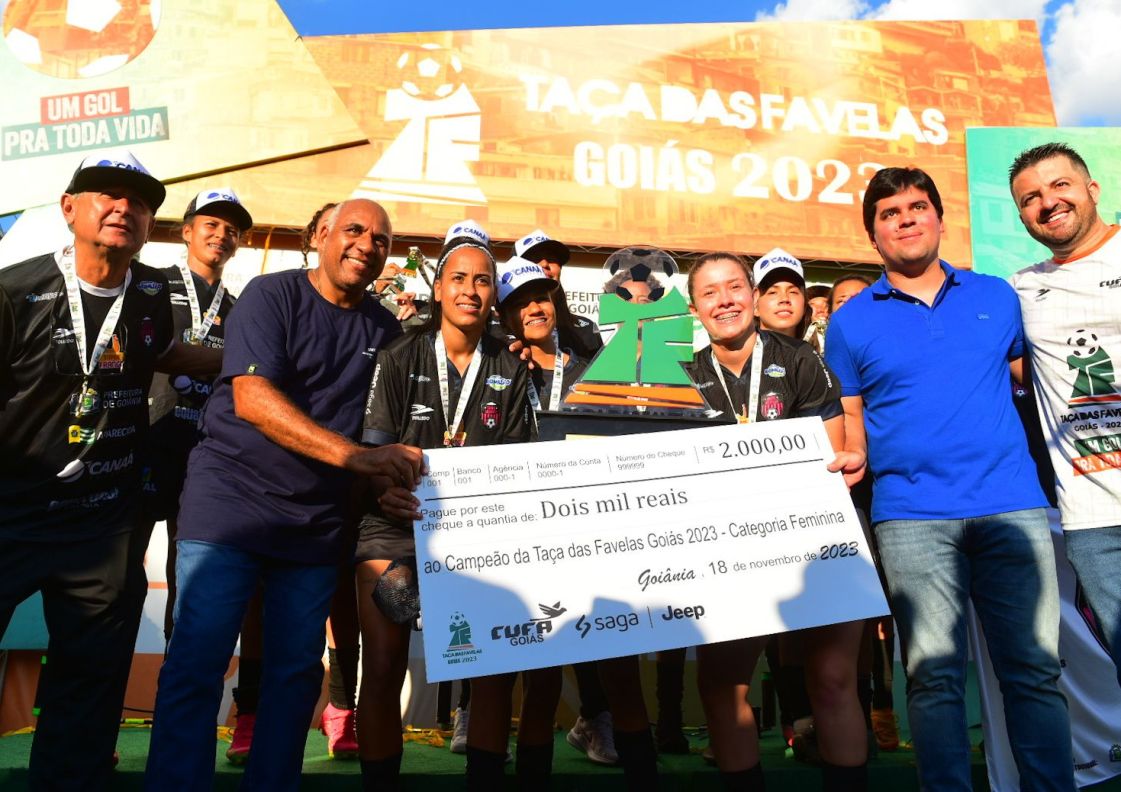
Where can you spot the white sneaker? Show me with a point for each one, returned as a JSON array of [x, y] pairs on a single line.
[[459, 731], [595, 738]]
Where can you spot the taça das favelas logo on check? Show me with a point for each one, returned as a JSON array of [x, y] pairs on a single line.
[[83, 121], [460, 649]]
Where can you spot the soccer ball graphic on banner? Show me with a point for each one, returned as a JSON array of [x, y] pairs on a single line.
[[76, 39], [433, 72]]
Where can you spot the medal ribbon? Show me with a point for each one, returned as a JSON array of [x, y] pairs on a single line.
[[200, 324], [442, 363], [78, 315], [751, 409], [558, 379]]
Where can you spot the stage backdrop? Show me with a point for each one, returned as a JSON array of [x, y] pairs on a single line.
[[1001, 246], [692, 137]]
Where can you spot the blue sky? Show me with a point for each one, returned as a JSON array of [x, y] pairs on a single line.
[[1083, 64]]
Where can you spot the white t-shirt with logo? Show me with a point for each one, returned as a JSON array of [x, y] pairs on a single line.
[[1072, 321]]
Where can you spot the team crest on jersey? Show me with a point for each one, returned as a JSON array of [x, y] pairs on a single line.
[[775, 370], [498, 382], [147, 331], [490, 415], [150, 287], [772, 406]]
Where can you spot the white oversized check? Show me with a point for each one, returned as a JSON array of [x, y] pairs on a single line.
[[543, 554]]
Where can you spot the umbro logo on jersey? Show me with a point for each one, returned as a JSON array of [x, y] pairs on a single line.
[[1041, 294], [420, 378], [1109, 284], [982, 316], [63, 335], [369, 352], [420, 412]]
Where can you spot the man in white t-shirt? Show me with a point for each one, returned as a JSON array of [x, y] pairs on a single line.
[[1071, 304]]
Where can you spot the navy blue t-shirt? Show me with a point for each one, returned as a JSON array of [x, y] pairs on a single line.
[[944, 438], [243, 489]]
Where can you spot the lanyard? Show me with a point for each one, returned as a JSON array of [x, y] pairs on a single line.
[[751, 409], [558, 379], [200, 327], [78, 315], [454, 436]]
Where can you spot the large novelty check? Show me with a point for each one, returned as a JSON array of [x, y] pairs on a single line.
[[551, 553]]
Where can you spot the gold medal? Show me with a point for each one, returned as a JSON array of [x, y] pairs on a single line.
[[457, 440]]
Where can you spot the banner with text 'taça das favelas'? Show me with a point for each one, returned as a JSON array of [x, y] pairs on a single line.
[[686, 136]]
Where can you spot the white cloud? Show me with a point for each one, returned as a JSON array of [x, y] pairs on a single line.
[[961, 9], [1085, 62], [814, 10]]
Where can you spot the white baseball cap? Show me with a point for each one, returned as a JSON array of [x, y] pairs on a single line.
[[518, 272], [216, 199], [776, 261], [537, 245], [469, 229]]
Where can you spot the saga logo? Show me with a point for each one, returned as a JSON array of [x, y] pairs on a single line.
[[529, 632], [692, 612], [620, 622]]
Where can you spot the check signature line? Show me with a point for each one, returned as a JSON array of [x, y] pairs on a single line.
[[630, 481]]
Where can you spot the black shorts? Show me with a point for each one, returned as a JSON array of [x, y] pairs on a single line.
[[381, 541]]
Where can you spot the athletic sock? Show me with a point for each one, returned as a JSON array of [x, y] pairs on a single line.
[[749, 780], [844, 779], [342, 676], [248, 689], [381, 775], [638, 758], [486, 770], [534, 766]]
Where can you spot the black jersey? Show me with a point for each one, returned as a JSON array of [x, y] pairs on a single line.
[[68, 451], [404, 401], [542, 378], [177, 399], [795, 382]]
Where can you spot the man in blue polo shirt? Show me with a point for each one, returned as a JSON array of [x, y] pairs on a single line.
[[265, 497], [923, 357]]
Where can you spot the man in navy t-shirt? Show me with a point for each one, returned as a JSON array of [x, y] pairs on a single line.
[[923, 357], [265, 499]]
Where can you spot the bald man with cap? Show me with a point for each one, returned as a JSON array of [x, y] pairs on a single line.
[[81, 332]]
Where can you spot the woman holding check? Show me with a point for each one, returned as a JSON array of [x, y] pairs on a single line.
[[760, 375], [445, 384]]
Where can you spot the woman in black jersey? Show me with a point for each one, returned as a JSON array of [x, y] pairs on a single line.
[[796, 384], [529, 309], [447, 383]]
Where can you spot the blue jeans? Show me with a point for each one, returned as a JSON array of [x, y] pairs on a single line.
[[1095, 554], [1005, 564], [215, 583]]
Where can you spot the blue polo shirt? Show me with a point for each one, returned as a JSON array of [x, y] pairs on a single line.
[[244, 490], [944, 440]]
